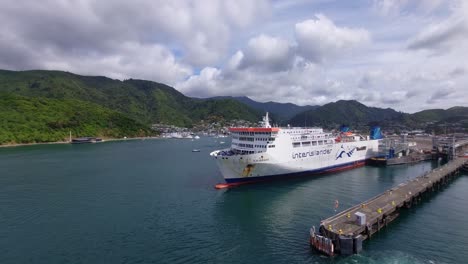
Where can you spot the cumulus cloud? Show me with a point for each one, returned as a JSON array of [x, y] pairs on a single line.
[[270, 68], [241, 47], [268, 53], [195, 33], [320, 39], [205, 84], [303, 83], [133, 60]]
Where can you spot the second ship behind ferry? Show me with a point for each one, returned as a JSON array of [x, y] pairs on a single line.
[[265, 152]]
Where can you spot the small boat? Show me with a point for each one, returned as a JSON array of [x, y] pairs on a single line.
[[83, 140], [195, 150], [196, 137]]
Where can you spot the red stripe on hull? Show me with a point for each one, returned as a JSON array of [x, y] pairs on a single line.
[[352, 166]]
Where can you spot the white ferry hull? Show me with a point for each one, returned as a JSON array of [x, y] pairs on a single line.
[[298, 162]]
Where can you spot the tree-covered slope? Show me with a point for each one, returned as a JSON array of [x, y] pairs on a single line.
[[145, 101], [280, 112], [37, 119], [436, 118], [343, 112], [437, 115]]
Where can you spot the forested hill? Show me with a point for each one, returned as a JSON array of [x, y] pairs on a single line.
[[356, 114], [37, 119], [348, 112], [437, 119], [145, 101], [441, 115], [280, 112]]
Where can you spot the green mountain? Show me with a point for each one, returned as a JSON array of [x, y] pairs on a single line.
[[438, 120], [351, 113], [37, 119], [145, 101], [440, 115], [280, 112]]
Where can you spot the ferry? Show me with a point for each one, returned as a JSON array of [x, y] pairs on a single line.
[[266, 152]]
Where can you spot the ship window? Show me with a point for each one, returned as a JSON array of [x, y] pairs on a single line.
[[320, 142], [314, 143], [306, 143], [296, 144], [271, 146]]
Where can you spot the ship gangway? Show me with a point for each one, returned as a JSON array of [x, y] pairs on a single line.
[[344, 232]]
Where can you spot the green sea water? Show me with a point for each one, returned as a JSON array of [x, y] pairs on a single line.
[[153, 201]]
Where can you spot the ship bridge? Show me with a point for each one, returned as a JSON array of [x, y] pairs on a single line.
[[250, 140]]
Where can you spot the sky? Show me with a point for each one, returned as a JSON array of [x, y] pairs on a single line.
[[403, 54]]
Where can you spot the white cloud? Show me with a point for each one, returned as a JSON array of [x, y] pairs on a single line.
[[383, 76], [443, 36], [205, 84], [197, 32], [320, 39], [235, 61], [268, 53], [133, 60]]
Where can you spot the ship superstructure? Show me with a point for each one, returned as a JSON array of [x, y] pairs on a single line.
[[260, 153]]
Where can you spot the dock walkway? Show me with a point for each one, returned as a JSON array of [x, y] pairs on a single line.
[[349, 228]]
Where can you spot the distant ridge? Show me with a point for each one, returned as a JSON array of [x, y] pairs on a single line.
[[348, 112], [281, 112], [437, 120], [356, 114]]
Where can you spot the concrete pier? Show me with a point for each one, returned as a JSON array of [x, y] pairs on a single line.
[[349, 228]]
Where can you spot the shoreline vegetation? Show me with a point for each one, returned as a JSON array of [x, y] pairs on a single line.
[[104, 140]]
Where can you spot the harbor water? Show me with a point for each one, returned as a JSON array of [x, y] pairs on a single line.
[[153, 201]]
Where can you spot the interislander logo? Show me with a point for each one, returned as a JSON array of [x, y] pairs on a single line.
[[342, 152], [311, 153]]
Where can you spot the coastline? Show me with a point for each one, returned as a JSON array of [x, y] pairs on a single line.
[[104, 140]]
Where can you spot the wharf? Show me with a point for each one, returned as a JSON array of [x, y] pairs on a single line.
[[344, 232]]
